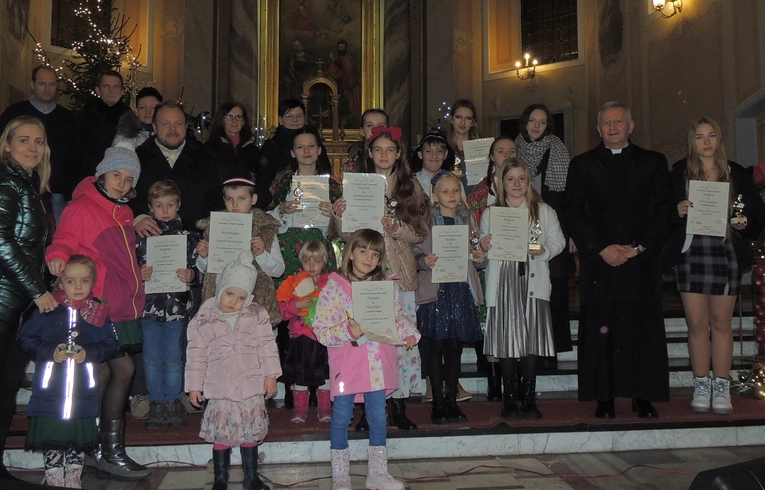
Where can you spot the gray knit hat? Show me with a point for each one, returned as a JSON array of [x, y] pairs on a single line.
[[117, 158], [237, 274]]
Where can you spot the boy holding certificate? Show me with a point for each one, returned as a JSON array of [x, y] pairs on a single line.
[[166, 312], [239, 197]]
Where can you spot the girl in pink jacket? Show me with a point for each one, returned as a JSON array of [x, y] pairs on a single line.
[[232, 357], [359, 369]]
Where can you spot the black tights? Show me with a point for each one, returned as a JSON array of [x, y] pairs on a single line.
[[449, 369], [115, 378], [529, 364]]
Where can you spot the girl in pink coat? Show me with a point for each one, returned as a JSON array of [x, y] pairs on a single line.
[[232, 357], [359, 368]]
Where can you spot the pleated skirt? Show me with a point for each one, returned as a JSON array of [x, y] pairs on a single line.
[[519, 325]]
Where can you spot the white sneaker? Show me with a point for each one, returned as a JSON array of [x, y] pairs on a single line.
[[702, 394], [721, 396]]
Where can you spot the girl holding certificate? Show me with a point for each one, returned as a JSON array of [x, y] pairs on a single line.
[[463, 126], [359, 370], [448, 312], [708, 269], [407, 223], [518, 321]]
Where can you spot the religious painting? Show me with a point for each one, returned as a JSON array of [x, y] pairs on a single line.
[[337, 39], [322, 36]]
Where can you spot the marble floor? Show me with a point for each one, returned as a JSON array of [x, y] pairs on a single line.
[[627, 470]]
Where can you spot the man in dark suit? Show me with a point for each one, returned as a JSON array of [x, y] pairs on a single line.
[[619, 217]]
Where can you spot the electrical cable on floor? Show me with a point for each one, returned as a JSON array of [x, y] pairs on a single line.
[[164, 464]]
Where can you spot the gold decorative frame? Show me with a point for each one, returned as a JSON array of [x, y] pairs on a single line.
[[268, 61]]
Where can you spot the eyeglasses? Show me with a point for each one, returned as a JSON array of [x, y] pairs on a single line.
[[297, 117], [231, 117]]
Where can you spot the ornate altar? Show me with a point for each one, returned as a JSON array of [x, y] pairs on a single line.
[[321, 98]]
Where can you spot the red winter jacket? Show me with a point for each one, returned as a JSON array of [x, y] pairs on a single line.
[[93, 226]]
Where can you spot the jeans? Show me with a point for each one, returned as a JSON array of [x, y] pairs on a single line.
[[58, 203], [162, 359], [342, 413]]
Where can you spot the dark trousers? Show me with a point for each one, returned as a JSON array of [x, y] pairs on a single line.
[[13, 362]]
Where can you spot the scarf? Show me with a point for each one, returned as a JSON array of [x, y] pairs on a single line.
[[440, 218], [101, 190], [91, 310]]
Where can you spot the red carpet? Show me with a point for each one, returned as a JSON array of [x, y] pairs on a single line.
[[560, 415]]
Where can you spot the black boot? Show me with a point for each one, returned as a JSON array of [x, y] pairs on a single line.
[[114, 462], [7, 410], [439, 415], [5, 475], [455, 414], [363, 425], [289, 400], [494, 380], [510, 403], [252, 480], [529, 408], [221, 462], [397, 414]]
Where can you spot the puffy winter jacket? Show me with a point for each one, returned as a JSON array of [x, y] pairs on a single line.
[[23, 233], [102, 230]]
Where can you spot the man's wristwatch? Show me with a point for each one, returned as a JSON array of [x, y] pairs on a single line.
[[639, 249]]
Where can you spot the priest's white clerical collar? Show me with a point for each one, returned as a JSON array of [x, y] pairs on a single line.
[[617, 151]]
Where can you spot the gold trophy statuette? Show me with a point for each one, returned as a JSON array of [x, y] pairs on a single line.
[[536, 232], [738, 208], [474, 243], [457, 170], [390, 210], [71, 349], [298, 193]]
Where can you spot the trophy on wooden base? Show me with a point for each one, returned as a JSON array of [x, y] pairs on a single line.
[[390, 210], [298, 193], [738, 208], [536, 232]]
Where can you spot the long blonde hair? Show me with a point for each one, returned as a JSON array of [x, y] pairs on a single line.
[[532, 200], [43, 168], [695, 167], [364, 238]]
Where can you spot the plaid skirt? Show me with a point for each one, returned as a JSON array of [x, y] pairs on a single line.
[[708, 266]]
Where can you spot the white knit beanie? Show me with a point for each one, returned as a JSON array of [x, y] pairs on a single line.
[[237, 274]]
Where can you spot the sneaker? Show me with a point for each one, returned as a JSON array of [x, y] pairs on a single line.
[[462, 395], [189, 407], [139, 407], [702, 394], [156, 417], [175, 415], [721, 396]]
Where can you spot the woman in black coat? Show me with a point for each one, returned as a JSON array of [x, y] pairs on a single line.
[[24, 175], [708, 269], [232, 148]]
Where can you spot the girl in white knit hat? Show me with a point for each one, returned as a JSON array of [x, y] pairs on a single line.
[[232, 358]]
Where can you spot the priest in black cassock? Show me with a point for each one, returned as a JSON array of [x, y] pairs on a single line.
[[619, 217]]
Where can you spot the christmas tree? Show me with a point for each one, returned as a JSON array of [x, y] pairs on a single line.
[[101, 44]]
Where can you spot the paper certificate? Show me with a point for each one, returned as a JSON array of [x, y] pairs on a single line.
[[710, 211], [476, 158], [315, 190], [166, 254], [509, 229], [450, 244], [373, 310], [230, 235], [365, 195]]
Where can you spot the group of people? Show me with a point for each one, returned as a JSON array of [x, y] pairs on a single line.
[[281, 312]]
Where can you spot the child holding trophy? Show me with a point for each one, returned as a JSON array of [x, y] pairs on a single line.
[[518, 321], [67, 345]]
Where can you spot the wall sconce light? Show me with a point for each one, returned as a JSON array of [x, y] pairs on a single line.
[[527, 72], [677, 7]]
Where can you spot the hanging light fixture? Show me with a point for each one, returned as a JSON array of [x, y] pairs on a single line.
[[677, 7]]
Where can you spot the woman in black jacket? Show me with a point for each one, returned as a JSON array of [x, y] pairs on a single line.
[[708, 269], [232, 148], [24, 175]]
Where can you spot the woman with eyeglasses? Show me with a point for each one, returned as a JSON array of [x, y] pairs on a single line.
[[232, 147], [275, 154]]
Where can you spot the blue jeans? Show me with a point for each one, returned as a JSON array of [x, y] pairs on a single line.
[[342, 413], [58, 203], [162, 359]]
